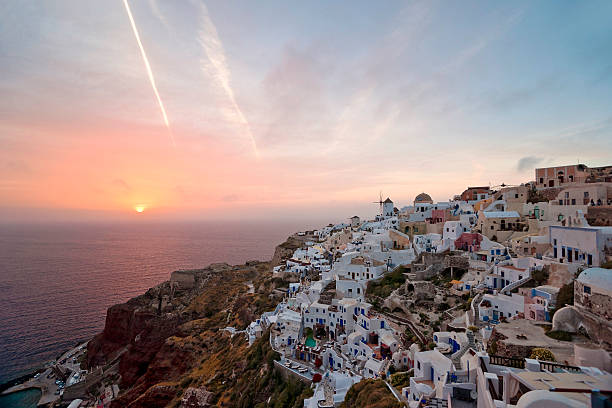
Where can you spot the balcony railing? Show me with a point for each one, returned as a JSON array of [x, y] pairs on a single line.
[[507, 361], [556, 367]]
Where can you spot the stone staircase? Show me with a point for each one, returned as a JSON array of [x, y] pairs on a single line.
[[508, 288], [475, 303], [471, 339], [471, 344]]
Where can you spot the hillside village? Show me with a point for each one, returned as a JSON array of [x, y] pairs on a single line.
[[499, 297]]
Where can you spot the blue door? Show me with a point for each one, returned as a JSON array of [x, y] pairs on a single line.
[[432, 374]]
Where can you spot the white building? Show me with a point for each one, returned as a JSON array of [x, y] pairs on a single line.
[[494, 307], [582, 245], [503, 275]]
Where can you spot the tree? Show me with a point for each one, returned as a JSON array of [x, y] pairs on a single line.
[[543, 354], [565, 296]]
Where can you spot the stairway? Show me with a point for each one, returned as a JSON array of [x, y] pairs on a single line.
[[508, 288], [475, 303], [471, 344], [456, 357], [471, 340]]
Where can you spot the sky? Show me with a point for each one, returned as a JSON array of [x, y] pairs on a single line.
[[279, 109]]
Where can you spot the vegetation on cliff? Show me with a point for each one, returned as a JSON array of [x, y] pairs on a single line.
[[383, 287], [370, 394], [173, 338]]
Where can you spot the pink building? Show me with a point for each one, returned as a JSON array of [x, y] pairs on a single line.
[[468, 241], [438, 216]]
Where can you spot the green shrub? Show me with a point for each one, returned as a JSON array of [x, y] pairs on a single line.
[[564, 297], [400, 380], [387, 284], [543, 354], [186, 381]]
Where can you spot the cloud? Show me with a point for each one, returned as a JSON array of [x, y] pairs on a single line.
[[528, 163], [216, 66], [294, 91], [18, 167], [122, 184], [230, 198]]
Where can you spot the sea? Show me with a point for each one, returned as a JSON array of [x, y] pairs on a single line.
[[57, 280]]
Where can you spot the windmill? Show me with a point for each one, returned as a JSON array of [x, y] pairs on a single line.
[[502, 185], [379, 202]]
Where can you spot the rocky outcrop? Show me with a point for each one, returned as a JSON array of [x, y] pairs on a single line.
[[285, 250], [499, 346], [157, 344]]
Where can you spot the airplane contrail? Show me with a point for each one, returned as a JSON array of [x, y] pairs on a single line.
[[148, 67]]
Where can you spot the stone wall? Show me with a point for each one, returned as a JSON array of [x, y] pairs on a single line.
[[599, 216], [559, 275], [183, 279], [287, 373], [597, 303], [506, 349]]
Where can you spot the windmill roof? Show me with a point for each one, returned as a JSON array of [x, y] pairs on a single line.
[[388, 200]]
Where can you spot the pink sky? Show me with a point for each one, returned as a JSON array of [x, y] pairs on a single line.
[[292, 117]]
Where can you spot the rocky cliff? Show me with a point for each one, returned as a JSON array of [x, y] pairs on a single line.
[[172, 339]]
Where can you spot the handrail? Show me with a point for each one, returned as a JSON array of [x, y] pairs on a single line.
[[506, 361]]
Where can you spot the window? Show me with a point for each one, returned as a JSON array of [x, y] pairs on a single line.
[[586, 194], [573, 201], [587, 290], [516, 196], [541, 180], [555, 241]]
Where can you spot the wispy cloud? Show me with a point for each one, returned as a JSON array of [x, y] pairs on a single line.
[[528, 163], [121, 184], [216, 66]]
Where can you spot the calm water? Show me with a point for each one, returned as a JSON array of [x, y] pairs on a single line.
[[22, 399], [56, 281]]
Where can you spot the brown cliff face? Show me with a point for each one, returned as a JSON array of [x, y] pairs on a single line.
[[161, 336]]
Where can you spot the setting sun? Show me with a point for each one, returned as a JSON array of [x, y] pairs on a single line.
[[139, 208]]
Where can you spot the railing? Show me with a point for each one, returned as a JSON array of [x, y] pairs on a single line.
[[552, 367], [507, 361], [511, 286]]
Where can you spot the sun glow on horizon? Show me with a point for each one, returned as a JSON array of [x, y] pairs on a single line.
[[139, 208]]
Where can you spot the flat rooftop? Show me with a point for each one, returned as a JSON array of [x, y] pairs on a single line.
[[563, 350]]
